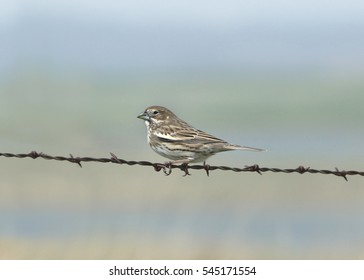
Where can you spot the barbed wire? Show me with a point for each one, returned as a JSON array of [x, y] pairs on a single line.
[[167, 167]]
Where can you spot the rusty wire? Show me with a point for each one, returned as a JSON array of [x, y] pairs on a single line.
[[167, 167]]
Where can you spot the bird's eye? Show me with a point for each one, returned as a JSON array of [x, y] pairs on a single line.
[[155, 112]]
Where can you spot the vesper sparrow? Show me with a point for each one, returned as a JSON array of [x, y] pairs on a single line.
[[173, 138]]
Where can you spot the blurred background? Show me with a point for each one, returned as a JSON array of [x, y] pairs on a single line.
[[281, 75]]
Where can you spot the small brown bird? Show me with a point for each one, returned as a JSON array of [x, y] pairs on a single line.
[[173, 138]]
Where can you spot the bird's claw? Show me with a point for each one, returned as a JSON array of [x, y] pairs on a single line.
[[167, 168], [184, 167]]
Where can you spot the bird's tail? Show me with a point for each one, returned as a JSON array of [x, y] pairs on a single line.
[[245, 148]]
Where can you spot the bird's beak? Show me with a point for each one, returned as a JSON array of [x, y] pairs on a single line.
[[143, 116]]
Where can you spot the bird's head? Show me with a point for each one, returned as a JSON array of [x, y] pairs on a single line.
[[156, 115]]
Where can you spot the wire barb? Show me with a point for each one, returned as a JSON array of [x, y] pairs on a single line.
[[167, 167], [207, 168]]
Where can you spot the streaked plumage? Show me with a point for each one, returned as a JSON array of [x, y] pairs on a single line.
[[173, 138]]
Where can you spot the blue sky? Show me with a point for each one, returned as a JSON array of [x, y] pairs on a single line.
[[222, 13], [188, 34]]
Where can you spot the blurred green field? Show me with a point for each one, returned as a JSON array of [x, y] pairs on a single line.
[[56, 210]]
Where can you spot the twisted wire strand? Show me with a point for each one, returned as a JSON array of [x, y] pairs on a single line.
[[167, 167]]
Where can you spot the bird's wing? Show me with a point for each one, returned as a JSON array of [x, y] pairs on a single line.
[[184, 132], [198, 136]]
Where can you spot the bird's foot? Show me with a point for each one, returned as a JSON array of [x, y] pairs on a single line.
[[184, 167], [167, 169]]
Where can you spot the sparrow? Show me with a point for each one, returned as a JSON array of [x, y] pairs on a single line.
[[175, 139]]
